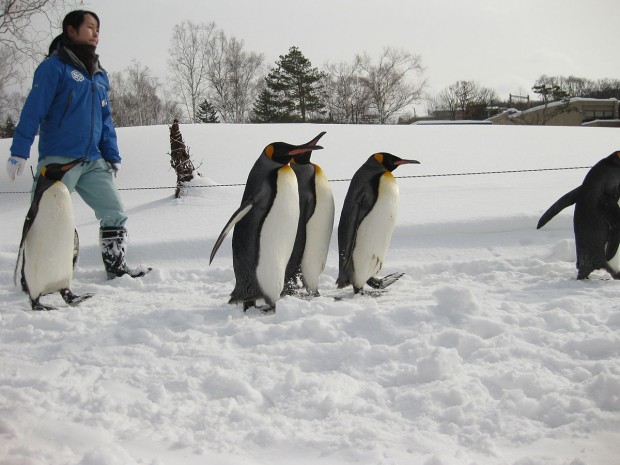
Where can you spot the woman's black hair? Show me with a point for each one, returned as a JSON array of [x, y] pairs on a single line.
[[74, 19]]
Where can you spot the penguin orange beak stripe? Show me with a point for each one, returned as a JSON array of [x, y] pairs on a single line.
[[74, 164], [303, 149], [406, 162]]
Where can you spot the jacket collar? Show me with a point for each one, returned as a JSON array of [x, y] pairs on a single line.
[[71, 58]]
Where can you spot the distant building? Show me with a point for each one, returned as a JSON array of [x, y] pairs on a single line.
[[577, 111]]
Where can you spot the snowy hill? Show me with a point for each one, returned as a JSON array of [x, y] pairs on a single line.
[[487, 351]]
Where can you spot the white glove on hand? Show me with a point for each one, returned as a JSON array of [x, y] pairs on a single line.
[[114, 167], [15, 166]]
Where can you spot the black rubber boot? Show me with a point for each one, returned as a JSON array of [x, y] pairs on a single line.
[[113, 250]]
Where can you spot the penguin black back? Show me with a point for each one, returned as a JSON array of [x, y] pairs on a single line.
[[359, 202], [49, 175], [596, 219]]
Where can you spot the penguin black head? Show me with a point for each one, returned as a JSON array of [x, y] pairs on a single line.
[[55, 171], [304, 158], [282, 153], [391, 162]]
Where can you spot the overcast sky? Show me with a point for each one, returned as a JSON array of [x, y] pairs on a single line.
[[502, 44]]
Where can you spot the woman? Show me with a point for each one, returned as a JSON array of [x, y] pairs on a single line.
[[69, 107]]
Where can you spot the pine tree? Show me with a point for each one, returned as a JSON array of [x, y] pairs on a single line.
[[268, 109], [206, 113], [294, 91]]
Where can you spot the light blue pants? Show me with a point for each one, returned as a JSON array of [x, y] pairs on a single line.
[[94, 183]]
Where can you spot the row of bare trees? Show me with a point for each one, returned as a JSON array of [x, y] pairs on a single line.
[[374, 91], [206, 66], [209, 69], [463, 100], [470, 100], [574, 86], [136, 98]]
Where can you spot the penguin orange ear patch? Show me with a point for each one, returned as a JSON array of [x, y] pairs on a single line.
[[269, 151], [379, 157]]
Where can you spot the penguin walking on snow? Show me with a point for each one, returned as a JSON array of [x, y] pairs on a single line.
[[596, 220], [316, 222], [367, 221], [46, 251], [265, 227]]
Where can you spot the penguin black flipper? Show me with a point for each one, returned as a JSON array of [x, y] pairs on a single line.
[[347, 235], [18, 276], [243, 210], [565, 201], [613, 242]]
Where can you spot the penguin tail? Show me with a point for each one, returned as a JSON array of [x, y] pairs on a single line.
[[565, 201]]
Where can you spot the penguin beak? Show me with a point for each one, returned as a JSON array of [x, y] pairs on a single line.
[[406, 162], [73, 164], [308, 146], [314, 141], [300, 149]]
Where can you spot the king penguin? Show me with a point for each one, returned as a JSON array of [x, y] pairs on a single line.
[[265, 227], [46, 252], [596, 220], [367, 221], [316, 222]]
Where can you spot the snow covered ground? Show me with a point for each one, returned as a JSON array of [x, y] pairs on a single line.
[[487, 351]]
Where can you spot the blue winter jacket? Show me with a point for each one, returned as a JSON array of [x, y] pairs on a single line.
[[70, 109]]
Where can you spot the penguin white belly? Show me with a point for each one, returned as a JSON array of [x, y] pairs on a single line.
[[375, 232], [277, 236], [614, 263], [48, 247], [318, 232]]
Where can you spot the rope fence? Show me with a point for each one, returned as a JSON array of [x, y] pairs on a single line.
[[476, 173]]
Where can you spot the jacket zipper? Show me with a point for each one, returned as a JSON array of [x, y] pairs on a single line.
[[64, 111], [92, 115]]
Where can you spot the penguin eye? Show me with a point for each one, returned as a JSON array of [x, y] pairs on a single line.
[[379, 158], [269, 151]]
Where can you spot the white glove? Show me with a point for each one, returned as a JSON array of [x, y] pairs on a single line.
[[15, 166], [114, 167]]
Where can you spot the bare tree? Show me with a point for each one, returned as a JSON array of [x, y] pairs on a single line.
[[233, 78], [606, 88], [8, 72], [189, 61], [25, 24], [347, 96], [465, 100], [387, 81], [26, 28], [134, 98]]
